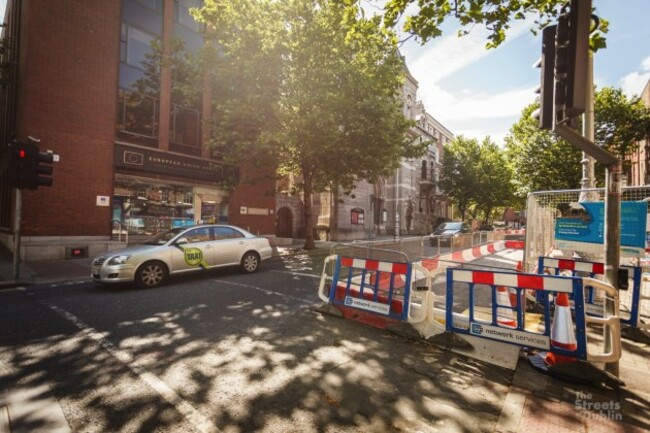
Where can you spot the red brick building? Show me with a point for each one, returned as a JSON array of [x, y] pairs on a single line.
[[131, 156]]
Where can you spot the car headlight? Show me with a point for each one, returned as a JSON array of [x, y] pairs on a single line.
[[118, 260]]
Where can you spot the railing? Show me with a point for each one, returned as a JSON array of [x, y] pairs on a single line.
[[121, 229], [418, 247]]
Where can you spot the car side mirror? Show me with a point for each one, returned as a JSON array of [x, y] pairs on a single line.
[[181, 241]]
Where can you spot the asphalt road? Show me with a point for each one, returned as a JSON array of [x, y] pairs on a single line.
[[233, 353]]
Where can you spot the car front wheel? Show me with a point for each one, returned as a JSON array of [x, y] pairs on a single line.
[[250, 262], [151, 274]]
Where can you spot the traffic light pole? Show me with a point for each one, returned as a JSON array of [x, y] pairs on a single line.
[[588, 178], [612, 249], [17, 214]]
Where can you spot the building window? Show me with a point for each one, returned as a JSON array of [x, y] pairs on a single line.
[[186, 126], [357, 216], [137, 114], [423, 172], [134, 46], [182, 13], [156, 5]]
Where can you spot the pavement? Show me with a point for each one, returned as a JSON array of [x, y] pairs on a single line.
[[535, 402]]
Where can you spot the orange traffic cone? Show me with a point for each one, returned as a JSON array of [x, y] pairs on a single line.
[[505, 315], [562, 332]]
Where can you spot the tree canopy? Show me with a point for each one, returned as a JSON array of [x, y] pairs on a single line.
[[310, 87], [621, 122], [425, 20], [542, 161], [476, 177]]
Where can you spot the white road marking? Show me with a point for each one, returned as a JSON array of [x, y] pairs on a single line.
[[300, 274], [269, 292], [193, 416]]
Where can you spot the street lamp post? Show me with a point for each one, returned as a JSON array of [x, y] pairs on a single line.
[[396, 235]]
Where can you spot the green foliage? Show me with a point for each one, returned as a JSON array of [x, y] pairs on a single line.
[[309, 86], [543, 162], [476, 177], [620, 122], [460, 175], [495, 15], [540, 160], [495, 180]]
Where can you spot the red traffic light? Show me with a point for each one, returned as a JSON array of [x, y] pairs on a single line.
[[29, 168]]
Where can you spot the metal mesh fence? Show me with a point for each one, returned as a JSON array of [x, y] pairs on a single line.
[[542, 214]]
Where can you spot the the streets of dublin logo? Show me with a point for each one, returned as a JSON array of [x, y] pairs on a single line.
[[597, 410]]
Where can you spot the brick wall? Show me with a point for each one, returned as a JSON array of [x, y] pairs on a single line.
[[254, 191], [68, 79]]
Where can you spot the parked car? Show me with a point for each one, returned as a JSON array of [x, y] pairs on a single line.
[[180, 250], [449, 233]]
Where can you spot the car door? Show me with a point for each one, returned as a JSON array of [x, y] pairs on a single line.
[[230, 245], [193, 250]]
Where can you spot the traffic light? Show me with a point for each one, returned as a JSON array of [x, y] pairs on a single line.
[[28, 167], [22, 164], [571, 60], [546, 111], [44, 169]]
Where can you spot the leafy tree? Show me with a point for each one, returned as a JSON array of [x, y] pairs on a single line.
[[620, 123], [311, 86], [540, 160], [460, 177], [494, 180], [496, 16]]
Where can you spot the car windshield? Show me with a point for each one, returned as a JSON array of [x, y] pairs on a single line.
[[450, 226], [165, 237]]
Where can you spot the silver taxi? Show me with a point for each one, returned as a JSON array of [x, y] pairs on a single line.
[[180, 250]]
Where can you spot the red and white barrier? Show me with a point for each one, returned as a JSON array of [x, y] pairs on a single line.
[[474, 253]]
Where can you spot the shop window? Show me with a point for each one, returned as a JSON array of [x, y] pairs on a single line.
[[357, 216], [188, 198]]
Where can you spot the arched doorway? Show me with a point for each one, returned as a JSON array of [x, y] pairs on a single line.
[[284, 228]]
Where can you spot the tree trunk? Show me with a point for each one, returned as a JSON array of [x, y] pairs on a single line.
[[334, 215], [309, 223]]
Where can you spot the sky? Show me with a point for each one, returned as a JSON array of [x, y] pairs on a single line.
[[477, 92]]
